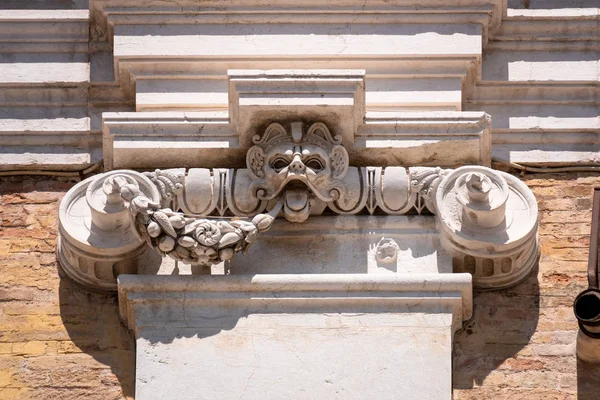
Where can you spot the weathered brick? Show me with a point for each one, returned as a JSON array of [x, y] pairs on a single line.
[[564, 204], [576, 190], [569, 216], [56, 339], [564, 229], [522, 364], [5, 377], [11, 393], [534, 348]]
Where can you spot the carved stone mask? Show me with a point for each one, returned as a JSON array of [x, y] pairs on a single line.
[[297, 166]]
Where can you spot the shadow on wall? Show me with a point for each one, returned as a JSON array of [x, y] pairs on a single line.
[[92, 323], [588, 380], [502, 325]]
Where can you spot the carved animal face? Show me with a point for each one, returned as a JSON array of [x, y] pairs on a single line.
[[297, 167]]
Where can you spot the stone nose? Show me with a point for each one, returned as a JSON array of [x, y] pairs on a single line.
[[297, 166]]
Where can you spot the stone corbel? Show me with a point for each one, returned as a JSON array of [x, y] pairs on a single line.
[[487, 220]]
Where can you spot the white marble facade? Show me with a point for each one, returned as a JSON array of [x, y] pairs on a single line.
[[318, 202]]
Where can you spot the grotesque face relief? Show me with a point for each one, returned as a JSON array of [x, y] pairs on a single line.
[[297, 167]]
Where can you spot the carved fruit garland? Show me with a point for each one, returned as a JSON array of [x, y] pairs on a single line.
[[202, 241], [191, 240]]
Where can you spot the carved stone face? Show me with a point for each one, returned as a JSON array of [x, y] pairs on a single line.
[[298, 167]]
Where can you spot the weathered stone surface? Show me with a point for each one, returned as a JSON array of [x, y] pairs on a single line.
[[295, 335]]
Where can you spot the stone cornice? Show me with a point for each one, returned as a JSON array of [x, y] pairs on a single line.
[[146, 44], [487, 12], [428, 292], [47, 31], [189, 138]]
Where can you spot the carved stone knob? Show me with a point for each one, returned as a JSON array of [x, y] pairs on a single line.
[[386, 251], [488, 223], [483, 198]]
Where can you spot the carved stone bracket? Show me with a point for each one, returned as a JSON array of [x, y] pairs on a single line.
[[97, 240], [488, 222], [487, 219]]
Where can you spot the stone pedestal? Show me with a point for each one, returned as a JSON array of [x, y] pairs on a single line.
[[305, 336]]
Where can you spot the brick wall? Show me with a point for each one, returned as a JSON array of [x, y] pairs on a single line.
[[59, 341]]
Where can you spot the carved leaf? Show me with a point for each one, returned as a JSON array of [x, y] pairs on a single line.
[[255, 160], [318, 133], [339, 162]]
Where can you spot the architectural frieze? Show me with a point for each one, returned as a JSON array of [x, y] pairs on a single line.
[[487, 219]]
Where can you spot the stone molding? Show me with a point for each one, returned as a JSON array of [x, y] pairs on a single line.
[[533, 70], [257, 95], [487, 219], [123, 25], [257, 98], [446, 292], [440, 138]]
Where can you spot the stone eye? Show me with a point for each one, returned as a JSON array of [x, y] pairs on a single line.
[[314, 164], [279, 163]]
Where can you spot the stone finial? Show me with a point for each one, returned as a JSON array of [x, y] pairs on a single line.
[[483, 198]]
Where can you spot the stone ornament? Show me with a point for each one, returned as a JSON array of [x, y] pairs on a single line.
[[386, 251], [168, 183], [196, 241], [488, 222], [97, 242], [298, 166], [487, 219], [309, 170]]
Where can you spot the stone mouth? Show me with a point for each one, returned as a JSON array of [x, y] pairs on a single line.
[[293, 182], [296, 201], [297, 185]]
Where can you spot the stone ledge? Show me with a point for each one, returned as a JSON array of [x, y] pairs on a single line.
[[184, 139], [451, 292], [290, 334], [189, 139]]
